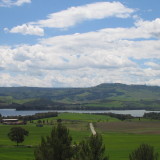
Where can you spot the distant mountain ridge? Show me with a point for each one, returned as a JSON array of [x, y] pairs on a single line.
[[103, 96]]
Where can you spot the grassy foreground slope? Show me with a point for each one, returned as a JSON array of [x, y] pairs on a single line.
[[119, 145], [104, 96]]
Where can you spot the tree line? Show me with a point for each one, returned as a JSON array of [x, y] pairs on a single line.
[[152, 115], [121, 117]]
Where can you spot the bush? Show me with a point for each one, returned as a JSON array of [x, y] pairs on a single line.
[[144, 152], [92, 149]]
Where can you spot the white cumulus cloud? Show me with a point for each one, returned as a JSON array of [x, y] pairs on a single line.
[[27, 29], [9, 3], [74, 15], [151, 27]]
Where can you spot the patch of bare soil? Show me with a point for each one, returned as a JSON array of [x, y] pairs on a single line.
[[129, 127]]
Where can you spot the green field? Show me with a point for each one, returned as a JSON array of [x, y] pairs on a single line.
[[119, 145], [14, 153], [120, 138], [83, 117]]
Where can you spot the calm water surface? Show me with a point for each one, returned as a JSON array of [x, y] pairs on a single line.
[[13, 112]]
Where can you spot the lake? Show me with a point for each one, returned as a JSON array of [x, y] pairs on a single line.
[[13, 112]]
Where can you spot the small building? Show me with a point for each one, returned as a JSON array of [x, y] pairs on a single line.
[[12, 122]]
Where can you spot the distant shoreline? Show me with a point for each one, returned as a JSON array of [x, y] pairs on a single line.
[[13, 112]]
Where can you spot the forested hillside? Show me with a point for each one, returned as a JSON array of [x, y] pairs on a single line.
[[103, 96]]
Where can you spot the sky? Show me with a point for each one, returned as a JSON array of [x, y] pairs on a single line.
[[79, 43]]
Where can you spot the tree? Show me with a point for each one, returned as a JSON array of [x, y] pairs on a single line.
[[39, 121], [59, 120], [144, 152], [57, 146], [92, 149], [17, 134]]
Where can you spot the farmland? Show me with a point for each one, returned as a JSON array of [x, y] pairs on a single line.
[[120, 137]]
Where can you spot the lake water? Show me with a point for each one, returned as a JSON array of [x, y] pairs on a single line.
[[13, 112]]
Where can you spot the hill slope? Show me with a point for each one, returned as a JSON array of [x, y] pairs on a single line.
[[103, 96]]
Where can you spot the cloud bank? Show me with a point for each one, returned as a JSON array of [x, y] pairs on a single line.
[[123, 55]]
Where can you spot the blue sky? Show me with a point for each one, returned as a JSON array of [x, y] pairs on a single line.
[[79, 43]]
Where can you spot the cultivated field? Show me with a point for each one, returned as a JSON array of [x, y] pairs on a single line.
[[144, 127]]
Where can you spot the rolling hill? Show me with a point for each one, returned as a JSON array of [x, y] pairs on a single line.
[[103, 96]]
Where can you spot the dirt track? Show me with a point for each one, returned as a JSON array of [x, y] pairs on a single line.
[[92, 129]]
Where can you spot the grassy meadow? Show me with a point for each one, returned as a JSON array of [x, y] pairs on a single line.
[[120, 137]]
